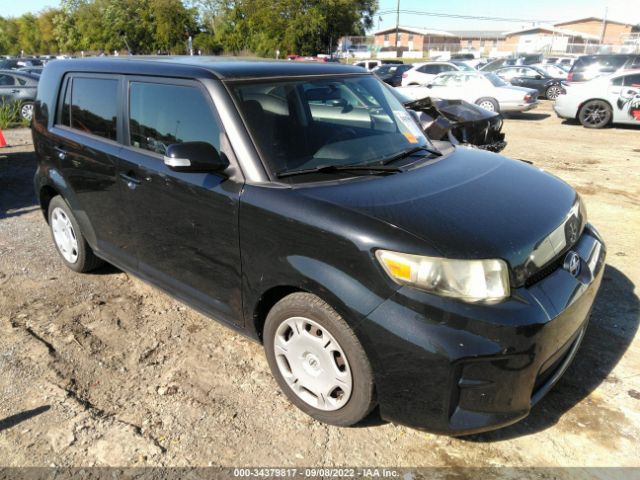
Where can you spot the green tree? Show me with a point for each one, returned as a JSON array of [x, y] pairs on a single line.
[[28, 34], [9, 36], [46, 27]]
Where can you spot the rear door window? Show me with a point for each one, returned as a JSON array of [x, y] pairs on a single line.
[[632, 80], [162, 114], [94, 106], [431, 69], [7, 80]]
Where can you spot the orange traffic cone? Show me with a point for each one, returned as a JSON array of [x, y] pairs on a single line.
[[3, 142]]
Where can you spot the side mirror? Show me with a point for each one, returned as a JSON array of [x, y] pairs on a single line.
[[538, 77], [429, 85], [194, 157]]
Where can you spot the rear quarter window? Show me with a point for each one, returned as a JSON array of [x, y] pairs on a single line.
[[7, 81], [90, 106]]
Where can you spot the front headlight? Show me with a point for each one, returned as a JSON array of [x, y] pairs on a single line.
[[468, 280]]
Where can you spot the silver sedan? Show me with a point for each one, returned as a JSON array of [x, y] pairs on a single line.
[[482, 88]]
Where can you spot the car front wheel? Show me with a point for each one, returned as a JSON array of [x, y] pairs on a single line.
[[318, 361], [595, 114]]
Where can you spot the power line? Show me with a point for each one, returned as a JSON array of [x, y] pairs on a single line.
[[466, 17]]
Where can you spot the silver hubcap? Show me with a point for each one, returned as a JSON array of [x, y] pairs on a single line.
[[64, 235], [553, 93], [487, 106], [313, 364], [27, 112]]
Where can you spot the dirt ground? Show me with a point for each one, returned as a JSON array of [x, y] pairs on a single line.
[[101, 369]]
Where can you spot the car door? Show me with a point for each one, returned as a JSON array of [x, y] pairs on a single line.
[[185, 224], [624, 96], [508, 74], [526, 77], [87, 131], [8, 88]]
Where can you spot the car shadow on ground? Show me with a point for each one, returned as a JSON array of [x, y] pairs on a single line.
[[612, 328], [614, 126], [526, 115], [16, 183]]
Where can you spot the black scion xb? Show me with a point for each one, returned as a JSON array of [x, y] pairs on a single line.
[[302, 205]]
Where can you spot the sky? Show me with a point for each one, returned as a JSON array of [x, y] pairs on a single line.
[[554, 10]]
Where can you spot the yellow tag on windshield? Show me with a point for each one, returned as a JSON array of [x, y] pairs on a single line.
[[411, 137]]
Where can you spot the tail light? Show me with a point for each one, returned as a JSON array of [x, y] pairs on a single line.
[[404, 75], [570, 77], [528, 98]]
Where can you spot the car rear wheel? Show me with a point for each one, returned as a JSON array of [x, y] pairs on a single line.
[[318, 361], [488, 103], [69, 241], [553, 92], [595, 114], [26, 111]]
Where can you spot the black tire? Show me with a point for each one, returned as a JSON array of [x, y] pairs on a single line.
[[595, 114], [486, 101], [26, 111], [362, 399], [86, 259], [553, 92]]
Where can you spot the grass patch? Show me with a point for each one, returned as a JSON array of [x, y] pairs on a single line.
[[10, 115]]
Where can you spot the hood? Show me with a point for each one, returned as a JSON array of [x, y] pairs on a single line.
[[470, 204]]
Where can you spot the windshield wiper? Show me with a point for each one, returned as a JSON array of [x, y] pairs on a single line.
[[408, 153], [377, 169]]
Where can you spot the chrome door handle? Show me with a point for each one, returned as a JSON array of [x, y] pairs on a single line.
[[131, 179], [62, 153]]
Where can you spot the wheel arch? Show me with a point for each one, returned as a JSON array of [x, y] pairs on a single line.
[[48, 184], [350, 309], [45, 195], [583, 103], [265, 303]]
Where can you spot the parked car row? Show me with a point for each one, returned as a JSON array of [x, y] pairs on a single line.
[[485, 89], [19, 88]]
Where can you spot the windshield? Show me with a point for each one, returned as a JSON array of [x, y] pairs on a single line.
[[554, 71], [308, 123], [447, 79], [384, 69], [463, 66], [495, 80]]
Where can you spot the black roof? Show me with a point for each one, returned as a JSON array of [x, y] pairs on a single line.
[[203, 66]]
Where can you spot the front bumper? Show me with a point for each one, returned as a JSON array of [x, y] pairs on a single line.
[[456, 368]]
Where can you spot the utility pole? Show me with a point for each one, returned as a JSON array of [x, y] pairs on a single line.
[[604, 25], [397, 28]]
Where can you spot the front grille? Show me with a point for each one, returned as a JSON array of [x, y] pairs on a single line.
[[545, 271]]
